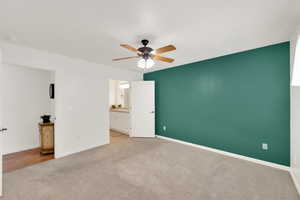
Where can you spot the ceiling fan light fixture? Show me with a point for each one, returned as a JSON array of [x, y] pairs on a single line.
[[149, 63], [145, 64], [141, 63], [147, 54]]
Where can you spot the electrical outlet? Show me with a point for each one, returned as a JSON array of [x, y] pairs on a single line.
[[264, 146], [164, 128]]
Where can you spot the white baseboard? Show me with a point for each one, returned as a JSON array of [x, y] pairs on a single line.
[[261, 162], [296, 183]]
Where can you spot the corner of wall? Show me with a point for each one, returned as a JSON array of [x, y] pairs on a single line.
[[295, 179], [295, 108], [295, 58]]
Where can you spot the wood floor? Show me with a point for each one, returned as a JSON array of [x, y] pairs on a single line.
[[30, 157], [23, 159], [116, 137]]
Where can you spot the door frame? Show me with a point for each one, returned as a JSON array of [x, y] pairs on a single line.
[[108, 106]]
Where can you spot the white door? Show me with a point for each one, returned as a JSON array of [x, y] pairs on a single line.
[[1, 125], [142, 109]]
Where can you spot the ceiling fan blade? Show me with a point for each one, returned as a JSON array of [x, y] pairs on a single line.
[[125, 58], [130, 48], [164, 59], [164, 49]]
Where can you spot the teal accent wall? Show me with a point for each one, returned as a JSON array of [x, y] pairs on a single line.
[[232, 103]]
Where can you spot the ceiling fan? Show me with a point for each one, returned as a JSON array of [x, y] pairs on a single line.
[[147, 54]]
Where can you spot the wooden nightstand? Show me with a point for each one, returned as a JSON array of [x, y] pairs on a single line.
[[47, 137]]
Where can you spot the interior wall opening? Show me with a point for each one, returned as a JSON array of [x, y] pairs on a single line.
[[119, 110], [29, 115]]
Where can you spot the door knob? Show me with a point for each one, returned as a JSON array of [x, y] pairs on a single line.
[[152, 112], [3, 129]]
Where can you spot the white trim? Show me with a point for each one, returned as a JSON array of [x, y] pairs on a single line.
[[261, 162], [295, 181]]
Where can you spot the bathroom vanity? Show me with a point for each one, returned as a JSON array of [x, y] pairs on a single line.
[[120, 120]]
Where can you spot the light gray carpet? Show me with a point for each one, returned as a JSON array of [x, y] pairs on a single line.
[[154, 169]]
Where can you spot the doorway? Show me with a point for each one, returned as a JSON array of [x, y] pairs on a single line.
[[119, 110], [131, 109], [25, 98]]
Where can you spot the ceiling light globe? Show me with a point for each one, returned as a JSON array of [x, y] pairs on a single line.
[[142, 63], [145, 64], [149, 63]]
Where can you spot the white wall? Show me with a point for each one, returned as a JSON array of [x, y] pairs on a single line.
[[295, 51], [82, 97], [25, 99], [118, 95], [112, 92], [1, 124], [295, 108], [126, 97], [295, 132]]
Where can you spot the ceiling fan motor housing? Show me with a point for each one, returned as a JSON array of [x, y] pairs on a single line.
[[145, 52]]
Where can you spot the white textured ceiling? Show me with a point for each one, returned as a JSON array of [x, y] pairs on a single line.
[[200, 29]]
